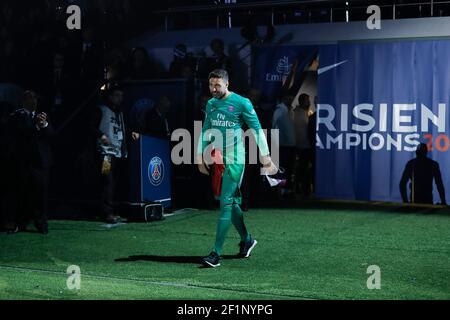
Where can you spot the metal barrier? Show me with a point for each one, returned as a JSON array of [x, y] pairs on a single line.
[[272, 8]]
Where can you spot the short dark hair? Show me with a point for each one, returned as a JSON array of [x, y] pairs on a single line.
[[113, 88], [140, 49], [217, 41], [422, 150], [29, 94], [302, 99], [303, 96], [288, 92], [219, 73]]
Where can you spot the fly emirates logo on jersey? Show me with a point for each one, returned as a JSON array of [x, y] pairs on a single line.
[[398, 127], [221, 122]]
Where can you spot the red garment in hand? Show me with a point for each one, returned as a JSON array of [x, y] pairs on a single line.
[[217, 169]]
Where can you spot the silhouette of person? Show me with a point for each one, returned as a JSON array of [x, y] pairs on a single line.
[[421, 171]]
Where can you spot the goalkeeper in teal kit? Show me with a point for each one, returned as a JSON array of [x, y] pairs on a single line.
[[226, 113]]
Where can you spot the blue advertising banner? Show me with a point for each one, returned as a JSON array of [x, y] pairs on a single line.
[[377, 102], [272, 65]]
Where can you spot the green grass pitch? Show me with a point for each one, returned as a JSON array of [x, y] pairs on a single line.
[[315, 252]]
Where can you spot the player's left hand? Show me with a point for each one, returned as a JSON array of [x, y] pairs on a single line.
[[269, 168]]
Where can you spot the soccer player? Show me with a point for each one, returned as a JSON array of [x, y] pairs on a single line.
[[226, 113]]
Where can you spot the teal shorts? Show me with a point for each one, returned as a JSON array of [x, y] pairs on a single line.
[[231, 189]]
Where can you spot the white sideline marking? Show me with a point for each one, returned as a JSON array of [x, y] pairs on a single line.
[[159, 283], [180, 211], [112, 225]]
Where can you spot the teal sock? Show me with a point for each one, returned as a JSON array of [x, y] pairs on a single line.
[[237, 217], [222, 228]]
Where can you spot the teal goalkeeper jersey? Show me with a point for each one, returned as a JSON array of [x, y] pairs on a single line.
[[223, 128]]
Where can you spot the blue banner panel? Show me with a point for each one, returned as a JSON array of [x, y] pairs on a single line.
[[155, 170], [272, 65], [150, 171], [377, 102]]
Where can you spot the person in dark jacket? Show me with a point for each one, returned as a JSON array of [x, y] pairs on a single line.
[[422, 171], [30, 158], [156, 120]]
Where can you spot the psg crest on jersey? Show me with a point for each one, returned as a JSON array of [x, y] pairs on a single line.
[[156, 171]]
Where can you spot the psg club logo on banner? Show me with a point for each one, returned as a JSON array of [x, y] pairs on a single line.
[[156, 171]]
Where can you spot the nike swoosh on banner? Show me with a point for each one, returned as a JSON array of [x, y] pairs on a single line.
[[325, 69]]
